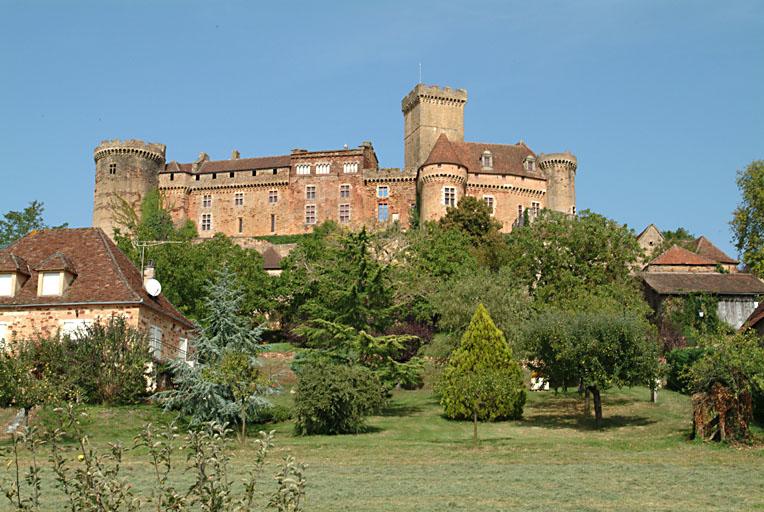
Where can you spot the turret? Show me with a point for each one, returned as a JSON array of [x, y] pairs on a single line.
[[441, 181], [127, 170], [560, 172], [429, 111]]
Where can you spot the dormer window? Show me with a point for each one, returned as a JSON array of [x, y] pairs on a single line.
[[486, 160], [55, 274], [530, 163], [14, 272], [51, 283], [7, 285]]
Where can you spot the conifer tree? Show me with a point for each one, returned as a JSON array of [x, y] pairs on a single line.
[[482, 381], [224, 383]]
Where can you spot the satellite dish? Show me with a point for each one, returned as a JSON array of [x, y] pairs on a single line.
[[153, 287]]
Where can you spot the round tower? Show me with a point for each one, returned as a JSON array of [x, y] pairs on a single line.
[[441, 181], [125, 172], [560, 172]]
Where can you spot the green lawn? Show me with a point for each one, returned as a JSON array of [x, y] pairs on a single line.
[[414, 460]]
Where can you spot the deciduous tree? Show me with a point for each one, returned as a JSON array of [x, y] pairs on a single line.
[[15, 224], [748, 218]]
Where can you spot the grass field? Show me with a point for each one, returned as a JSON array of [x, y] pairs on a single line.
[[414, 460]]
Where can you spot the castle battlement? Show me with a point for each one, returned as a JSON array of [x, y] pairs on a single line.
[[433, 94], [549, 160], [149, 150]]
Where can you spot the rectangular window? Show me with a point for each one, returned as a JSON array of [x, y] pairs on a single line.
[[206, 201], [183, 349], [535, 206], [51, 283], [197, 177], [383, 212], [310, 192], [344, 213], [241, 225], [573, 209], [74, 329], [323, 168], [273, 196], [6, 285], [303, 169], [231, 174], [112, 168], [310, 214], [491, 203], [350, 167], [206, 221], [172, 176], [519, 211], [254, 172], [155, 341], [449, 196], [383, 191], [273, 222], [238, 199], [214, 175], [344, 191]]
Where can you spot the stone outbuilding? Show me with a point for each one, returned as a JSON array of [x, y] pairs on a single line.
[[58, 281]]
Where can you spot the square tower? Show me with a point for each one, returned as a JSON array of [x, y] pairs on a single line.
[[428, 111]]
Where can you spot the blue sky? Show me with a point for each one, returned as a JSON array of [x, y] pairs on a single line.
[[661, 101]]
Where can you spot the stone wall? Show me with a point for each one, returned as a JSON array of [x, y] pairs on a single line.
[[509, 193], [31, 322]]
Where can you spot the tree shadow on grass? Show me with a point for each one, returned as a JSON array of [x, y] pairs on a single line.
[[397, 409], [567, 413]]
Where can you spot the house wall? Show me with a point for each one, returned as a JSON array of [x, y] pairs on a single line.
[[32, 322]]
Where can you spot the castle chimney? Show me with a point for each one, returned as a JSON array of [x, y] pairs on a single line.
[[235, 154]]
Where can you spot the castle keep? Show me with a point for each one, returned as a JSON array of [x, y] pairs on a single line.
[[291, 193]]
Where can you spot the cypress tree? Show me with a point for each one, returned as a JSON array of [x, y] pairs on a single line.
[[482, 381]]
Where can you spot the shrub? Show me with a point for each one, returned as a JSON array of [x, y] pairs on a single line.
[[335, 399], [679, 362], [105, 364]]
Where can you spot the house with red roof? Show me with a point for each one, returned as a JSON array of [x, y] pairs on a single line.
[[58, 281], [703, 269]]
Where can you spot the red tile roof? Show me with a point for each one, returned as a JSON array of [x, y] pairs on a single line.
[[104, 274], [679, 256], [443, 152], [507, 158], [12, 263], [237, 164], [704, 247], [56, 261], [681, 283]]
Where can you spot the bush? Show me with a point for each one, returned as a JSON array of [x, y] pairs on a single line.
[[335, 399], [105, 364], [678, 362], [275, 413]]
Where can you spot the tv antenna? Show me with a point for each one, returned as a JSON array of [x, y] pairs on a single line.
[[151, 243]]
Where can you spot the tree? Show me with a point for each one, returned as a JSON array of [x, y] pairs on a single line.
[[482, 381], [557, 257], [332, 275], [679, 236], [748, 218], [15, 225], [185, 266], [596, 350], [225, 383], [473, 217], [726, 376], [454, 300]]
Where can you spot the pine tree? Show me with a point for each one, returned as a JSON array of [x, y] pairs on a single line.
[[224, 383], [482, 381]]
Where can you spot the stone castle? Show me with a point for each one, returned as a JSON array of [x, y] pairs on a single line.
[[289, 194]]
